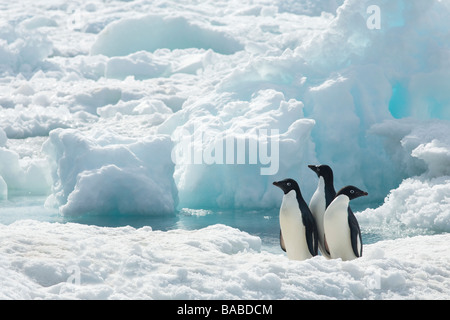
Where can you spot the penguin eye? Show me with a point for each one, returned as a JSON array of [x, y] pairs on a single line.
[[352, 191], [288, 184]]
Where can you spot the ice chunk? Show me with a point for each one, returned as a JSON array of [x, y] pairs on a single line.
[[23, 51], [141, 65], [111, 189], [38, 22], [150, 107], [97, 97], [34, 120], [421, 150], [105, 173], [416, 147], [436, 155], [24, 175], [153, 32]]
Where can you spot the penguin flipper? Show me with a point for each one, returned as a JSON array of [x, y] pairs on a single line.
[[326, 245], [282, 245], [355, 234], [312, 238]]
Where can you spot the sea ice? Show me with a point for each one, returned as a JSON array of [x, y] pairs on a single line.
[[218, 262]]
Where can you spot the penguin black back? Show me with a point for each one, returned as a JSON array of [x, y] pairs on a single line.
[[355, 232], [326, 173], [287, 185]]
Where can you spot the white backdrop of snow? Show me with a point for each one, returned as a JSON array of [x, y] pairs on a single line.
[[84, 117], [217, 262]]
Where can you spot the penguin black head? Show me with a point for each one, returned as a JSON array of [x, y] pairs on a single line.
[[322, 171], [352, 192], [287, 185]]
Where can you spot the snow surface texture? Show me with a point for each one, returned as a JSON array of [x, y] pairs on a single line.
[[218, 262], [96, 98]]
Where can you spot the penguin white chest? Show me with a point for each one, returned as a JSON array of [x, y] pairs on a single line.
[[318, 206], [318, 201], [337, 230], [292, 228]]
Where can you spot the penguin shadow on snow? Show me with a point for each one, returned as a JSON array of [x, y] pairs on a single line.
[[327, 224]]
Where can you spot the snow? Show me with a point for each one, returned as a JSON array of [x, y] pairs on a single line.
[[112, 110], [416, 204], [217, 262]]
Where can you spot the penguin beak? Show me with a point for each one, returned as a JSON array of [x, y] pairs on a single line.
[[362, 194], [313, 168], [278, 184]]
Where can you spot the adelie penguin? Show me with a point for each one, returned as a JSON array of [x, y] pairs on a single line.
[[298, 234], [342, 232], [321, 199]]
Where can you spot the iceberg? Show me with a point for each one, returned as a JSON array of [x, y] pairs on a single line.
[[233, 179], [105, 173]]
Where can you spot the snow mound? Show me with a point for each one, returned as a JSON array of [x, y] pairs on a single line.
[[418, 205], [52, 261], [34, 120], [140, 65], [22, 49], [145, 65], [155, 32], [103, 173]]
